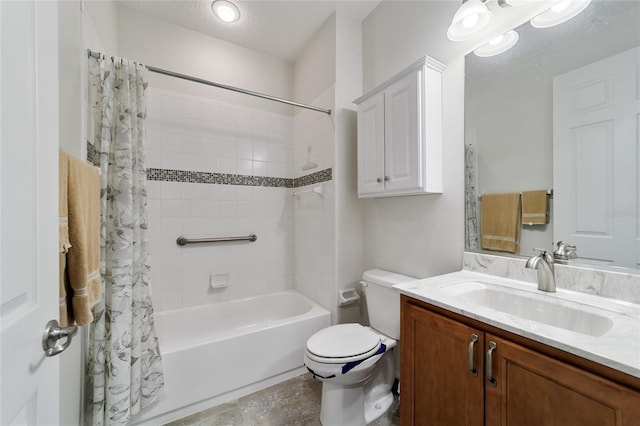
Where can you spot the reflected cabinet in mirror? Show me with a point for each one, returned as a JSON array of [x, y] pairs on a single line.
[[560, 111]]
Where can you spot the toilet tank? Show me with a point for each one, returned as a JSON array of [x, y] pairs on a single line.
[[383, 301]]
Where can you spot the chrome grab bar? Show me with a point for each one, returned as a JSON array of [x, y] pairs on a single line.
[[182, 241]]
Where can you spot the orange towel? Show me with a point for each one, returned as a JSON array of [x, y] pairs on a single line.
[[501, 222], [535, 207], [82, 274], [66, 317]]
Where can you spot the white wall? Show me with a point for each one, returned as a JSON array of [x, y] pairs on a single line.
[[315, 66], [200, 134], [314, 217], [418, 235], [349, 209], [101, 26], [424, 235], [159, 44], [72, 104]]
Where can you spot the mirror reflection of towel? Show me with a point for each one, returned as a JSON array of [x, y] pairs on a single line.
[[501, 221], [535, 207]]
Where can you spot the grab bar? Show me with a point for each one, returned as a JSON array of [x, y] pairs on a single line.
[[182, 241]]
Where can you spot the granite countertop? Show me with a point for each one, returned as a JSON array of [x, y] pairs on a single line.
[[616, 345]]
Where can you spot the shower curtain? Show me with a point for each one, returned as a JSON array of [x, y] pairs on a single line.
[[124, 369], [471, 197]]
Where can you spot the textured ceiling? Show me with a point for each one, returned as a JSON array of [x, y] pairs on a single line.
[[277, 28]]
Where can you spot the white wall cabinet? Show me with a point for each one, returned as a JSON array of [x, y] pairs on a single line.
[[400, 133]]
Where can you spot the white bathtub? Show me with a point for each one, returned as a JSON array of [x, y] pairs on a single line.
[[218, 352]]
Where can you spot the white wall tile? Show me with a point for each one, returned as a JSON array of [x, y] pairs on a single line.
[[191, 133], [192, 109]]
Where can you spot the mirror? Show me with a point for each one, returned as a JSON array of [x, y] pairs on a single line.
[[509, 125]]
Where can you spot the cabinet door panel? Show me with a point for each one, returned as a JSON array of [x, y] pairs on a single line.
[[403, 147], [533, 389], [371, 145], [437, 387]]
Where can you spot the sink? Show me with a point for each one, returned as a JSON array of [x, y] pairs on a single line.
[[545, 309]]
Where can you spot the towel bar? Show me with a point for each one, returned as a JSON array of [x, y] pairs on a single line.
[[549, 194], [182, 241]]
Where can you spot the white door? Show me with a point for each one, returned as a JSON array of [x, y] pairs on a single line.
[[403, 156], [596, 112], [29, 209], [371, 146]]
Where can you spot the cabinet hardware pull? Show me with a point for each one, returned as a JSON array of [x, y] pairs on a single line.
[[386, 178], [474, 339], [488, 363], [379, 180]]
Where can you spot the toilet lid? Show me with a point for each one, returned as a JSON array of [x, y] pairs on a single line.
[[343, 341]]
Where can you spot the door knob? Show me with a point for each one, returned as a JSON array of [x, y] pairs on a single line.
[[53, 333]]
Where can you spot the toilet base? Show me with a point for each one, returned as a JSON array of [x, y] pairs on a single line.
[[373, 410], [342, 406]]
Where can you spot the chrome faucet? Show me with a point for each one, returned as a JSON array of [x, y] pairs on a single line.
[[564, 252], [543, 262]]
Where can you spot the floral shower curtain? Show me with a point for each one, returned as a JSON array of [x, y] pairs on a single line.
[[471, 198], [124, 369]]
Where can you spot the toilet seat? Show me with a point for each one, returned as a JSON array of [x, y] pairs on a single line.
[[343, 343]]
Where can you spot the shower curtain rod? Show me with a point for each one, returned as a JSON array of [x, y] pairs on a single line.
[[224, 86]]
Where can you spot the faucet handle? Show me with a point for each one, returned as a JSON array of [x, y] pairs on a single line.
[[564, 252], [544, 254]]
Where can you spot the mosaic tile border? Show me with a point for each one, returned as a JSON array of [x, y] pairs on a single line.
[[187, 176]]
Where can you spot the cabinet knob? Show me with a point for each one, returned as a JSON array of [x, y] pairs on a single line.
[[386, 178], [379, 180]]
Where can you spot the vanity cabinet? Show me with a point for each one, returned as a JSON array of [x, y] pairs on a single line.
[[400, 133], [459, 372]]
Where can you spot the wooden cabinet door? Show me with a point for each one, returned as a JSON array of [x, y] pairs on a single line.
[[403, 139], [436, 384], [533, 390], [371, 146]]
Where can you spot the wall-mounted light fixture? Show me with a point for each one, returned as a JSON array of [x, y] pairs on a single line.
[[500, 44], [559, 13], [474, 16], [225, 10], [470, 18]]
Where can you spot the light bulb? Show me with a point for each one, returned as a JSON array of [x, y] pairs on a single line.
[[497, 40], [470, 21], [561, 6], [225, 10]]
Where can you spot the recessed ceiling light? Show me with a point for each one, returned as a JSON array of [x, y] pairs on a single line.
[[498, 45], [225, 10], [561, 12]]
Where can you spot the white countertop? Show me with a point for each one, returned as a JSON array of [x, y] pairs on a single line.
[[618, 348]]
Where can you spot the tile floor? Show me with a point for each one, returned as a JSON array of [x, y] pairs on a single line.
[[295, 402]]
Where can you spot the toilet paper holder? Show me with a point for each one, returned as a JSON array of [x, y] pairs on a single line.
[[348, 296]]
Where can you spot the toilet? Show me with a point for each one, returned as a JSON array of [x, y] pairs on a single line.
[[356, 364]]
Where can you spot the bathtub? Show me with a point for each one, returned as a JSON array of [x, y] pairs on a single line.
[[218, 352]]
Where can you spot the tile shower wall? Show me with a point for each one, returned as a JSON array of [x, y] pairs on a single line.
[[314, 217], [192, 134]]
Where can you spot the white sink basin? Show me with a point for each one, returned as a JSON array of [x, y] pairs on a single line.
[[556, 312]]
